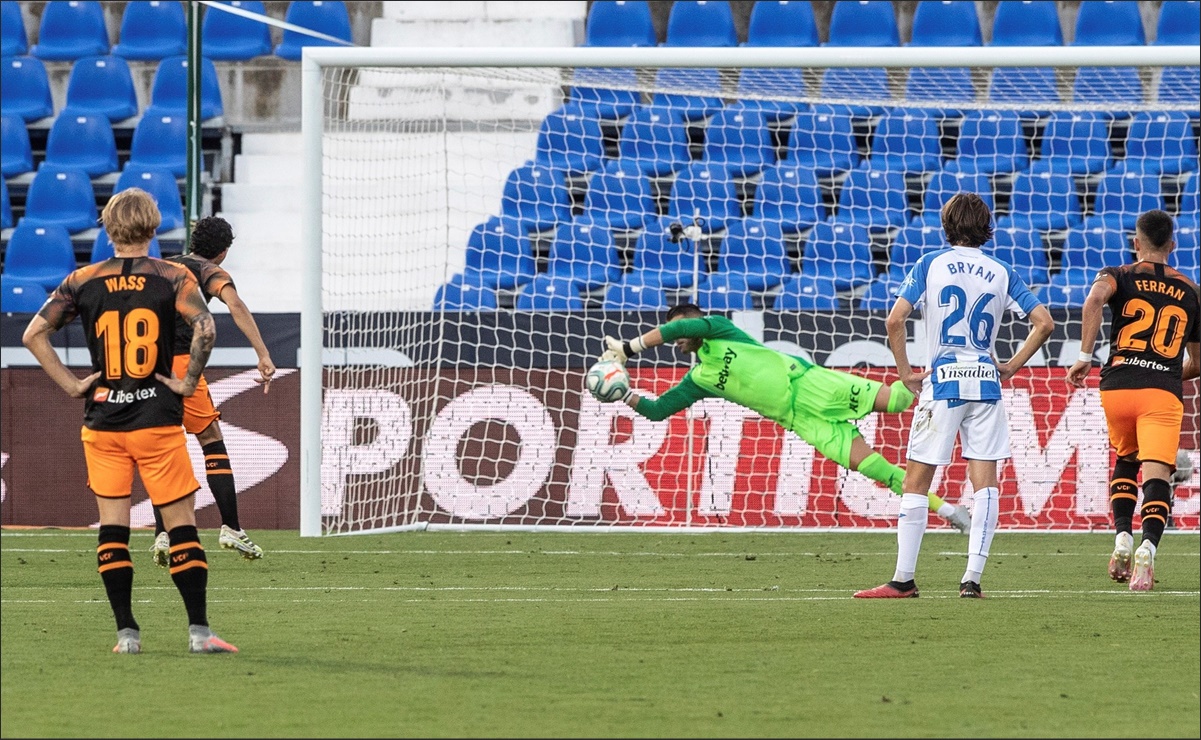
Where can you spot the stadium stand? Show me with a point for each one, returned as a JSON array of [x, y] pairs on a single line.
[[1179, 23], [990, 142], [151, 31], [854, 23], [756, 85], [25, 88], [21, 295], [160, 141], [229, 37], [162, 186], [753, 248], [806, 293], [1180, 85], [70, 30], [946, 183], [330, 17], [6, 211], [571, 141], [1111, 23], [465, 292], [659, 261], [619, 198], [585, 255], [499, 254], [83, 141], [840, 252], [791, 196], [774, 23], [103, 86], [656, 138], [60, 197], [1024, 85], [907, 141], [620, 23], [701, 24], [40, 252], [1034, 23], [1042, 201], [1108, 85], [550, 293], [907, 246], [870, 83], [1023, 250], [693, 107], [16, 155], [14, 41], [823, 141], [537, 196], [739, 140], [170, 89], [725, 292], [873, 198], [1161, 143], [102, 247], [1187, 255], [1189, 212], [1075, 143], [938, 23], [634, 297], [1121, 196], [704, 193], [605, 103]]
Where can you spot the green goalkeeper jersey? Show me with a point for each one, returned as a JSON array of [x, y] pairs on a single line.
[[732, 366]]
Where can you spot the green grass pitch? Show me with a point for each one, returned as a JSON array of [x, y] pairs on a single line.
[[606, 635]]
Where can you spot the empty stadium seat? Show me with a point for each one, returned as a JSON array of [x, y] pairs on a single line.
[[620, 23], [947, 183], [1023, 250], [806, 293], [329, 17], [939, 23], [724, 292], [941, 85], [162, 186], [990, 142], [1024, 85], [906, 141], [16, 156], [1065, 291], [465, 293], [537, 196], [656, 138], [21, 295], [84, 141], [874, 198], [1181, 85], [774, 23], [704, 192], [619, 198], [41, 253], [690, 105], [1179, 24], [754, 248], [550, 293], [103, 86], [880, 294], [13, 38], [634, 297], [1110, 23], [6, 211], [863, 23], [25, 88], [152, 30], [60, 197], [909, 244], [739, 140], [1027, 23], [499, 253], [161, 140], [658, 261], [869, 83], [70, 30], [758, 85], [102, 247], [789, 195], [233, 38], [823, 141], [1042, 201], [1074, 143], [1121, 196], [1189, 213], [585, 254], [841, 252], [701, 24], [170, 88], [1161, 143], [605, 93], [1108, 85], [1186, 257], [1088, 249], [570, 141]]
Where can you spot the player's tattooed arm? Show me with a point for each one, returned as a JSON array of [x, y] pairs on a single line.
[[204, 335]]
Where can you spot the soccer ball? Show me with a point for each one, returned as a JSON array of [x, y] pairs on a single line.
[[607, 381]]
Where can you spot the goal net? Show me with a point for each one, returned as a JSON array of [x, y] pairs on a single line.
[[479, 219]]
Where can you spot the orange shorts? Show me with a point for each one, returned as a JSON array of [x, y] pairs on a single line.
[[160, 454], [1144, 422], [198, 409]]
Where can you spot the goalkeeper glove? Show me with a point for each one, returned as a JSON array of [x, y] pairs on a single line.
[[619, 351]]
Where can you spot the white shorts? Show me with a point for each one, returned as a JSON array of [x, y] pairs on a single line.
[[982, 430]]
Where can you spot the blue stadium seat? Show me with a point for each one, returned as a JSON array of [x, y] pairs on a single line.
[[707, 192], [857, 23], [1027, 23], [13, 39], [774, 23], [758, 85], [6, 210], [1189, 212], [1179, 24], [938, 23], [660, 262], [550, 293], [754, 248], [39, 252], [634, 297], [84, 141], [21, 295], [153, 30], [990, 142], [620, 23], [162, 186], [857, 82], [941, 85], [1074, 143], [789, 195], [689, 83], [537, 196], [947, 183], [1024, 85], [1090, 248], [232, 38], [619, 198], [656, 138], [807, 293], [1023, 250], [1121, 196], [739, 140], [499, 253], [70, 30], [724, 292], [1180, 85], [822, 140], [103, 86], [1108, 85], [585, 254], [909, 244], [61, 197], [1065, 291], [161, 140], [329, 17], [880, 294], [170, 88], [102, 247], [16, 155], [1161, 143], [839, 251], [1042, 201], [605, 93], [1115, 23], [1187, 255], [873, 198], [465, 293], [701, 24], [571, 141], [25, 88], [906, 141]]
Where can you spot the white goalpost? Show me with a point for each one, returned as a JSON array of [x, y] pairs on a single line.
[[478, 219]]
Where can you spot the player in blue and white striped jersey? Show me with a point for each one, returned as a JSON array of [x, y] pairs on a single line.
[[963, 293]]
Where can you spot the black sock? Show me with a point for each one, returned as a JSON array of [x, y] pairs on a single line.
[[116, 571], [221, 482], [159, 528], [1156, 493], [190, 571], [1123, 494]]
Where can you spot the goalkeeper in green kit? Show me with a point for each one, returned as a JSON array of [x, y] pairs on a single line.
[[816, 403]]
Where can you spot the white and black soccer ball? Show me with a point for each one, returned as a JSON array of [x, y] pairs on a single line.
[[607, 381]]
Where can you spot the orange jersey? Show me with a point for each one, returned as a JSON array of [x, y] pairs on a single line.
[[212, 279], [128, 307], [1155, 311]]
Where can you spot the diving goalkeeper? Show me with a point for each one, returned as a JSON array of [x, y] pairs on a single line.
[[814, 402]]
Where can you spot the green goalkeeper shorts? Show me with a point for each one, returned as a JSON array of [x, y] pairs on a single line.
[[824, 402]]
